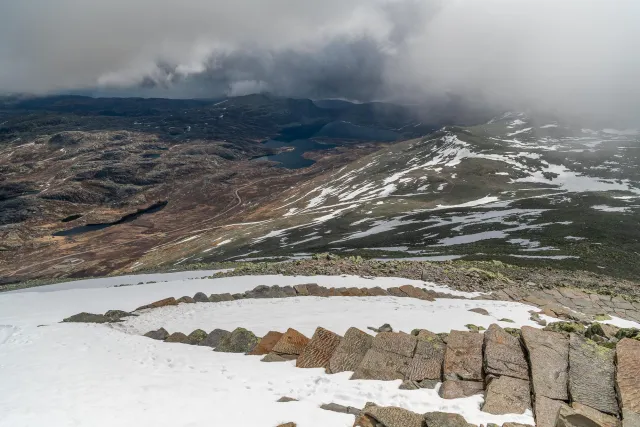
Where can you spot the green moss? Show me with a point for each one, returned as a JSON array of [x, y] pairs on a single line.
[[569, 327], [628, 333], [602, 317], [474, 328], [513, 332], [197, 336]]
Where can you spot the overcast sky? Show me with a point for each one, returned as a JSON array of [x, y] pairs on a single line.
[[573, 56]]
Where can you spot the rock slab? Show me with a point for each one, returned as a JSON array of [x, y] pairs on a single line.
[[428, 359], [350, 351], [463, 356], [292, 342], [507, 395], [455, 389], [319, 350], [549, 356], [628, 380], [266, 344], [503, 354]]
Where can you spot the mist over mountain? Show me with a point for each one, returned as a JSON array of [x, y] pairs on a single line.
[[573, 58]]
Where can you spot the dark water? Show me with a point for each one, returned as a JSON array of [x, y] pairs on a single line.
[[156, 207], [293, 159]]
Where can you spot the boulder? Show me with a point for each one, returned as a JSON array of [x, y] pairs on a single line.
[[197, 336], [592, 375], [200, 297], [87, 318], [454, 389], [391, 416], [186, 300], [480, 311], [377, 291], [317, 291], [463, 356], [350, 351], [239, 341], [503, 354], [220, 297], [178, 337], [292, 342], [444, 419], [117, 315], [602, 330], [546, 411], [628, 380], [264, 291], [161, 303], [413, 292], [266, 344], [301, 290], [364, 420], [161, 334], [396, 292], [214, 337], [395, 342], [549, 357], [506, 395], [571, 417], [285, 399], [428, 359], [288, 291], [382, 365], [319, 350]]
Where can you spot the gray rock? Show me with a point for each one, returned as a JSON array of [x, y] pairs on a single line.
[[454, 389], [602, 420], [220, 297], [601, 330], [429, 357], [197, 336], [118, 315], [409, 385], [546, 411], [628, 380], [444, 419], [214, 337], [382, 365], [428, 384], [185, 300], [285, 399], [394, 417], [288, 291], [506, 395], [87, 318], [549, 356], [350, 351], [161, 334], [395, 342], [592, 374], [385, 328], [334, 407], [264, 291], [480, 311], [239, 341], [569, 417], [200, 297], [503, 354], [238, 296], [463, 356]]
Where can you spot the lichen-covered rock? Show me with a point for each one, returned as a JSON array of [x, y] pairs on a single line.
[[178, 337], [319, 350], [503, 354], [186, 300], [214, 337], [549, 357], [161, 334], [87, 318], [395, 342], [463, 356], [567, 327], [592, 375], [220, 297], [239, 341], [455, 389], [546, 411], [292, 342], [571, 417], [117, 315], [350, 351], [444, 419], [602, 330], [429, 357], [394, 417], [628, 380], [507, 395], [266, 344], [198, 336]]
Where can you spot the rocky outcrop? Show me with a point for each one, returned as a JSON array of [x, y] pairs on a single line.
[[504, 355], [214, 337], [266, 344], [161, 334], [455, 389], [592, 375], [549, 358], [291, 343], [274, 291], [350, 351], [428, 359], [628, 381], [319, 350], [239, 341], [507, 395], [463, 356]]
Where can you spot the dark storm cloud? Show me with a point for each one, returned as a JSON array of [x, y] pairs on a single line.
[[577, 57]]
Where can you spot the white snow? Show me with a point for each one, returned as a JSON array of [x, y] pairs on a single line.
[[605, 208]]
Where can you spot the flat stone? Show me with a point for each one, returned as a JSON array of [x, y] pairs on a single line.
[[220, 297], [200, 297], [592, 375], [334, 407], [463, 356], [568, 417], [455, 389], [285, 399], [382, 365], [266, 344], [394, 417], [506, 395], [161, 334], [395, 342], [546, 411], [628, 379], [503, 354], [319, 350], [549, 356], [292, 342], [186, 300], [444, 419], [177, 337], [480, 311], [214, 337], [428, 359], [350, 351], [409, 385], [598, 417], [239, 341]]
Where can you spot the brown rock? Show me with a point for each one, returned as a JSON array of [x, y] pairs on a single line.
[[503, 354], [292, 342], [220, 297], [506, 395], [266, 344], [546, 411], [288, 425], [463, 356], [178, 337], [317, 291], [428, 359], [186, 299], [445, 419], [162, 303], [301, 290], [319, 350], [414, 292], [382, 365], [628, 380], [454, 389], [396, 292], [364, 420], [350, 351], [285, 399], [549, 356], [394, 417], [377, 291], [273, 357], [598, 417], [395, 342]]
